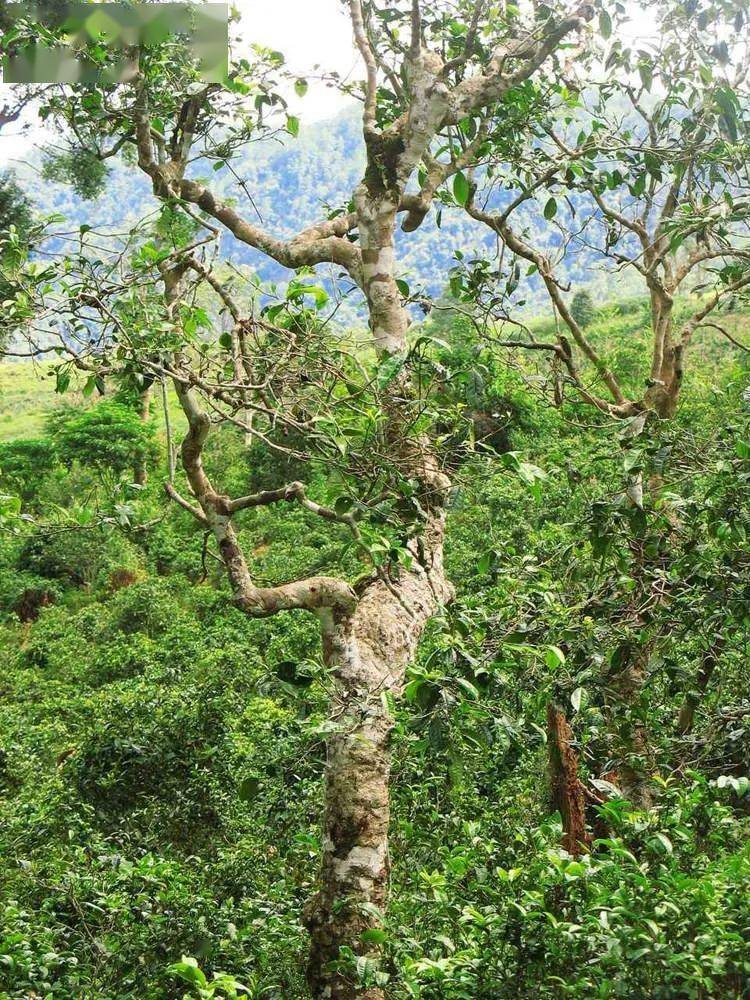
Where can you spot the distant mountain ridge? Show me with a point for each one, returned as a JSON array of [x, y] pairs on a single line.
[[294, 183]]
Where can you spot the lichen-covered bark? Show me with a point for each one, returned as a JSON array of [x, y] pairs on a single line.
[[368, 653], [565, 787], [377, 220]]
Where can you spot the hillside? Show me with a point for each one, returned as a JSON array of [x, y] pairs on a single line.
[[376, 627], [27, 391], [162, 756]]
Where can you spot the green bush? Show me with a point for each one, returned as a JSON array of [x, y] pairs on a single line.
[[162, 755], [25, 463], [582, 308], [23, 595], [146, 764], [109, 437], [84, 557]]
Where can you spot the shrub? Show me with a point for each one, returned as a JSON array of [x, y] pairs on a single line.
[[151, 607], [147, 765], [109, 436], [175, 545], [80, 557], [582, 308], [23, 595], [24, 464]]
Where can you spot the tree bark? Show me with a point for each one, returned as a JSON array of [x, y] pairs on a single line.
[[663, 392], [368, 652], [565, 787]]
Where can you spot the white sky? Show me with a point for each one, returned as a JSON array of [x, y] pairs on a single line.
[[307, 32]]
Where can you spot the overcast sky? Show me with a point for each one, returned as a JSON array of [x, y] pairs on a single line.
[[307, 32]]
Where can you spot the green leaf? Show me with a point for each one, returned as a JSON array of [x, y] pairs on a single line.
[[487, 561], [726, 99], [374, 936], [575, 699], [389, 368], [605, 24], [388, 702], [529, 473], [550, 209], [575, 870], [653, 165], [188, 970], [554, 657], [301, 87], [249, 788], [639, 185], [468, 687], [292, 125], [663, 841], [632, 460], [461, 188], [343, 505]]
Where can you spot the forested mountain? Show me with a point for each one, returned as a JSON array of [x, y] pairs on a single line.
[[295, 182]]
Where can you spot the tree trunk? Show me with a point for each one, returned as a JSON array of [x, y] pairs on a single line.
[[663, 392], [686, 717], [566, 789], [368, 653], [370, 649], [355, 865], [626, 682]]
